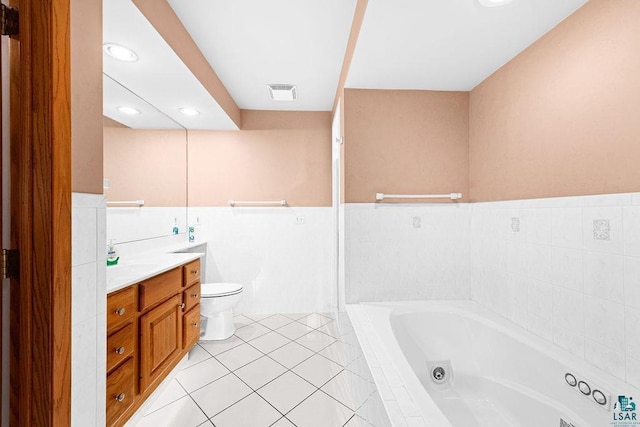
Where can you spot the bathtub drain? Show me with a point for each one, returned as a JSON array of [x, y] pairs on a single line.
[[440, 373]]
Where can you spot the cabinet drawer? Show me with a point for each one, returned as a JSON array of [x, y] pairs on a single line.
[[159, 288], [121, 307], [191, 327], [191, 273], [120, 391], [191, 297], [120, 346]]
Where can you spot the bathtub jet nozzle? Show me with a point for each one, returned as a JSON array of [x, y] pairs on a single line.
[[438, 374]]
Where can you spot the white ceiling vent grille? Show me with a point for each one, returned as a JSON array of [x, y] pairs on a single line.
[[283, 92]]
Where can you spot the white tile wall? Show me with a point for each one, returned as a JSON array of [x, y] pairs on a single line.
[[88, 317], [129, 224], [570, 274], [566, 269], [163, 244], [284, 266], [388, 258]]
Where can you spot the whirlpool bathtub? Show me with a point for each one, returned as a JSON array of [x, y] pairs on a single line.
[[465, 367]]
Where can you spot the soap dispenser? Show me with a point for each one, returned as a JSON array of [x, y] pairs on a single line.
[[175, 226], [112, 254]]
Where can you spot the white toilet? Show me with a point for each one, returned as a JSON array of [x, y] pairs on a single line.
[[216, 305]]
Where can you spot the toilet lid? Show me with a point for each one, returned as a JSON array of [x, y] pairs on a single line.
[[219, 289]]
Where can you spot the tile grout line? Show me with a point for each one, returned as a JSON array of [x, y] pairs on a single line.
[[252, 392], [256, 391], [250, 387], [202, 410], [343, 368], [301, 377]]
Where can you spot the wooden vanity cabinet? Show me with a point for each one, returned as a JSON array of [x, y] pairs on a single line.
[[121, 354], [121, 308], [191, 298], [120, 391], [160, 340], [151, 326], [120, 345], [191, 273], [157, 289], [191, 327]]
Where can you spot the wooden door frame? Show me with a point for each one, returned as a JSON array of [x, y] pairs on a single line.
[[40, 372]]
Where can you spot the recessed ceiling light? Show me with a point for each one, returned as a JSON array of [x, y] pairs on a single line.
[[283, 92], [494, 3], [120, 52], [129, 110], [189, 111]]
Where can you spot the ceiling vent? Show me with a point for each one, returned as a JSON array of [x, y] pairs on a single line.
[[283, 92]]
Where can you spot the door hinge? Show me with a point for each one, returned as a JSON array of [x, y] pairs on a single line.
[[10, 264], [9, 21]]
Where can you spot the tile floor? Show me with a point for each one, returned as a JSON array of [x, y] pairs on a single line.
[[278, 370]]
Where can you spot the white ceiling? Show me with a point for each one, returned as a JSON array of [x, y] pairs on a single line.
[[252, 43], [407, 44], [158, 76], [446, 44]]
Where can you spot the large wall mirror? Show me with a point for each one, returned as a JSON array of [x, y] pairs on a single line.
[[145, 168]]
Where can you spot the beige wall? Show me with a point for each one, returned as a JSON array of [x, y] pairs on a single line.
[[276, 155], [108, 122], [146, 164], [562, 117], [86, 95], [405, 142]]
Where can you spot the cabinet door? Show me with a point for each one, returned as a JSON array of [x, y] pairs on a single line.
[[160, 341]]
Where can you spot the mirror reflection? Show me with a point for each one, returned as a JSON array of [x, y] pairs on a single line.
[[145, 170]]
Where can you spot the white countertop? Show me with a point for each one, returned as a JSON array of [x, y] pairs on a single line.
[[131, 271]]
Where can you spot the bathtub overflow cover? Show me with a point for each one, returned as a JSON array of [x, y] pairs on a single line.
[[570, 379], [439, 374]]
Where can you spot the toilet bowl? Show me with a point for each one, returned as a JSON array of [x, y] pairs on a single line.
[[216, 305]]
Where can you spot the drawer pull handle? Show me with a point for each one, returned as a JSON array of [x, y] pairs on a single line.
[[182, 305], [120, 350], [195, 295], [195, 271], [120, 397], [195, 324], [120, 311]]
